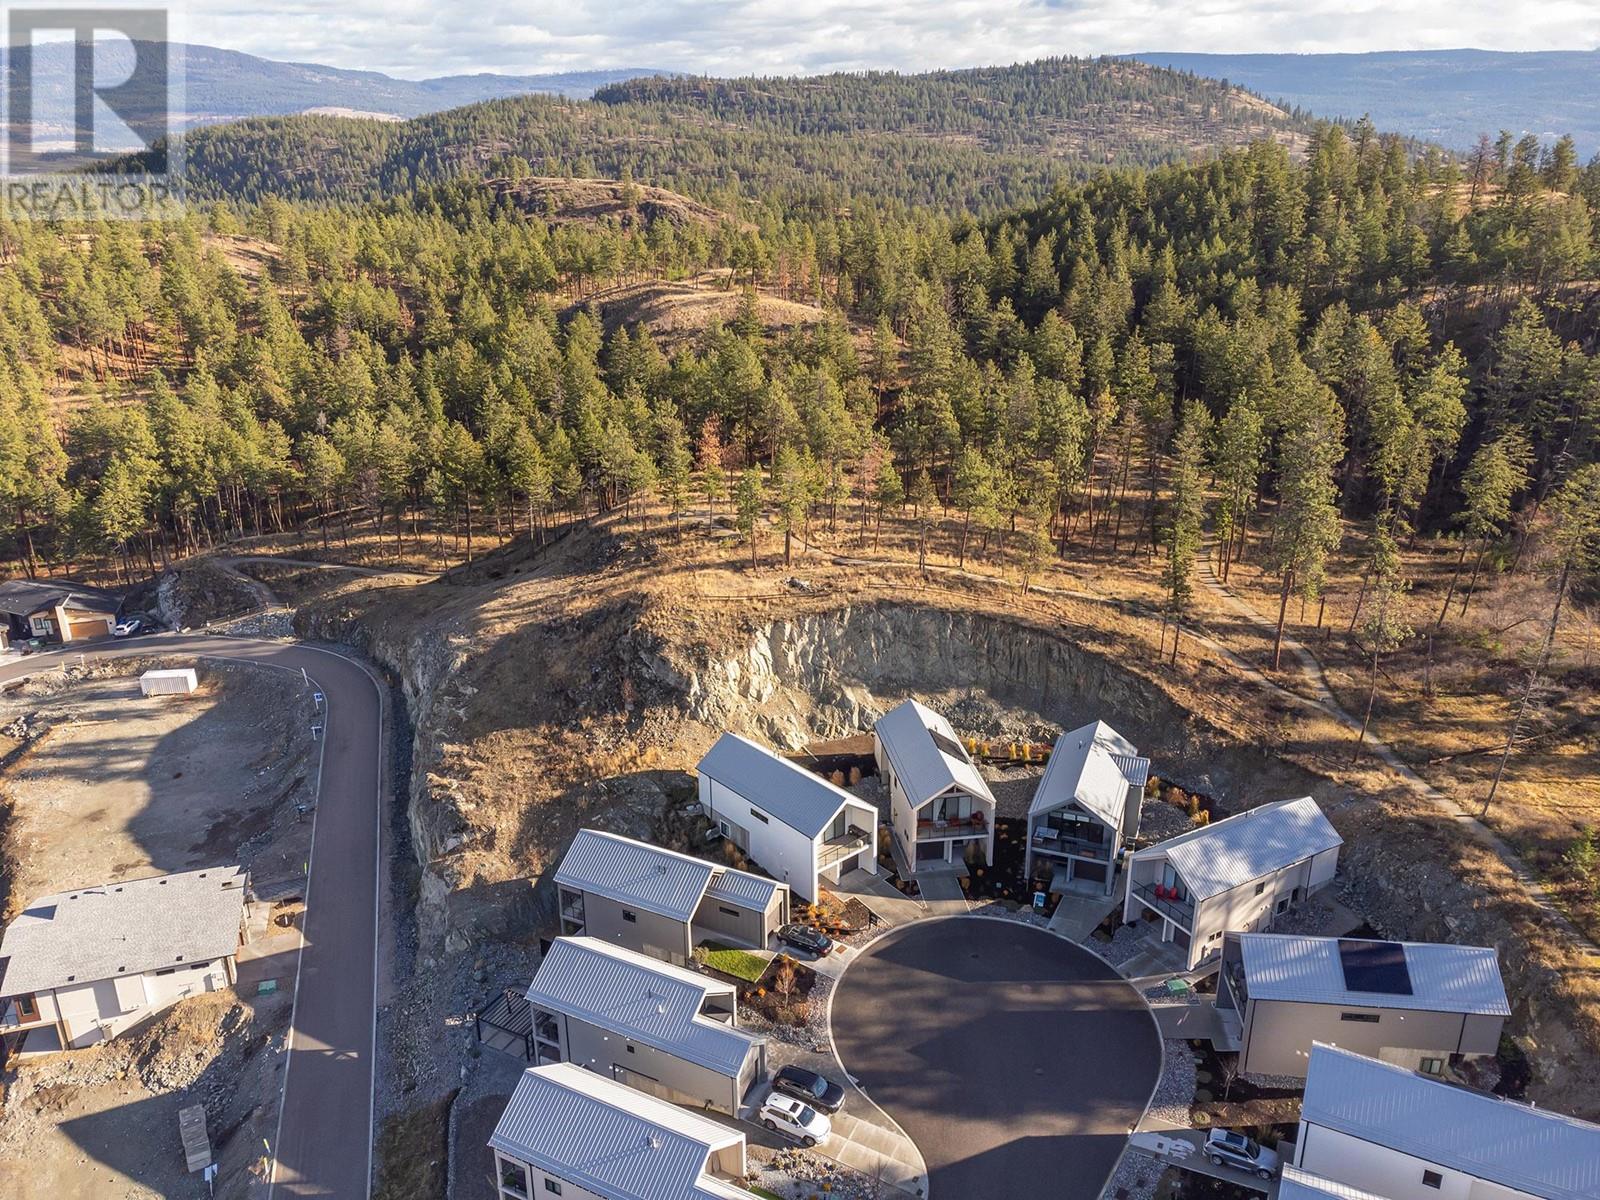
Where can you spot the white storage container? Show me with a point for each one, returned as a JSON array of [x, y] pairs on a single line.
[[168, 683]]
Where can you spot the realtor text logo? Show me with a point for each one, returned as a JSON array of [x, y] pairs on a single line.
[[88, 100]]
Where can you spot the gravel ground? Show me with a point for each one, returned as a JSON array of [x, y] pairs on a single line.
[[1135, 1177], [1175, 1090], [1124, 944]]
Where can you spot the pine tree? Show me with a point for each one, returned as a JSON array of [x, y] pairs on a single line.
[[749, 505], [1187, 517]]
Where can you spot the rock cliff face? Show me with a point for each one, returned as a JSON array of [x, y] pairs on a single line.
[[832, 674]]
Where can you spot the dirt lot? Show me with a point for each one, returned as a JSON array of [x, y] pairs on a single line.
[[104, 784], [117, 786]]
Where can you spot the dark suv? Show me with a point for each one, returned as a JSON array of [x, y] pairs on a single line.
[[816, 1090]]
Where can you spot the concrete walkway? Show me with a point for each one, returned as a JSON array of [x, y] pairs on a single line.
[[888, 904], [942, 895], [870, 1144], [1183, 1148], [1077, 916]]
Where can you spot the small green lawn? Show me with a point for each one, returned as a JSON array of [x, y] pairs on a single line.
[[758, 1190], [741, 964]]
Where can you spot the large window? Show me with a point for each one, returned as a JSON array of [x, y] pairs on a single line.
[[513, 1178]]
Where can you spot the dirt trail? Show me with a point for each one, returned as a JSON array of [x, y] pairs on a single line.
[[1312, 671]]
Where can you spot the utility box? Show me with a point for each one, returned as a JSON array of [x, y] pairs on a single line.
[[168, 683], [192, 1131]]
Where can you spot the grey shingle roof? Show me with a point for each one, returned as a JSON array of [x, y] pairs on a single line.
[[619, 868], [1095, 766], [124, 929], [1216, 858], [782, 789], [616, 1142], [24, 597], [1444, 978], [1296, 1184], [924, 768], [643, 998], [1514, 1145]]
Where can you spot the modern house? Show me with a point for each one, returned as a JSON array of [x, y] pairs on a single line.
[[633, 1018], [84, 966], [1412, 1004], [1086, 809], [797, 825], [1382, 1129], [1231, 877], [660, 902], [570, 1133], [56, 612], [940, 808]]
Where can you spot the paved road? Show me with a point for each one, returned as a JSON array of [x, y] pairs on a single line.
[[1015, 1060], [324, 1141]]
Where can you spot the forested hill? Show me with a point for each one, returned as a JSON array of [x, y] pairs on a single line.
[[1445, 96], [979, 141], [226, 85]]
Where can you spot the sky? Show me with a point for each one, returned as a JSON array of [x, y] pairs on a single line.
[[420, 38]]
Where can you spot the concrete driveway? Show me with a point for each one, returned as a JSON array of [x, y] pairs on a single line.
[[1016, 1061]]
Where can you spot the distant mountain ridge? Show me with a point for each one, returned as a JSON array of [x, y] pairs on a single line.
[[1444, 96], [228, 85]]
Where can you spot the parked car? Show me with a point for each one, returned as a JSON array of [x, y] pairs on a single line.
[[1225, 1148], [130, 627], [816, 1090], [796, 1119], [803, 937]]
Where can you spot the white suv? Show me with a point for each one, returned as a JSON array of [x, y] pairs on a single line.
[[796, 1119], [1225, 1148]]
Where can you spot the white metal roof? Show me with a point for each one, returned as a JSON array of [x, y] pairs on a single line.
[[1444, 978], [1217, 858], [1095, 766], [802, 800], [639, 997], [1296, 1184], [924, 767], [616, 1142], [123, 928], [1514, 1145], [744, 889], [652, 878]]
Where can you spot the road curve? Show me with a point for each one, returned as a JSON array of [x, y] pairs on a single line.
[[327, 1105]]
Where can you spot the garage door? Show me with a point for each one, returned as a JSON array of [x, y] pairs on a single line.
[[90, 627]]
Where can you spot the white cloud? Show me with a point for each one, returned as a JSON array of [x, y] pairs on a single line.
[[414, 38]]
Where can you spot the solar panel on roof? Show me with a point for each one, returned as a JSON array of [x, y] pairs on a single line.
[[1375, 967], [953, 748]]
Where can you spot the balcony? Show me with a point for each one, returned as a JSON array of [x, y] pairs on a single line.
[[1181, 911], [953, 827], [1048, 839], [835, 849]]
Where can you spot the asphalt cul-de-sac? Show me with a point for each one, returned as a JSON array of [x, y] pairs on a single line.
[[1016, 1061]]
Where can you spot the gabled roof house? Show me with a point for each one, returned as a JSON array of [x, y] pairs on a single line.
[[567, 1132], [1415, 1004], [81, 967], [1233, 876], [662, 1029], [660, 902], [940, 808], [56, 611], [802, 829], [1401, 1135], [1085, 809]]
